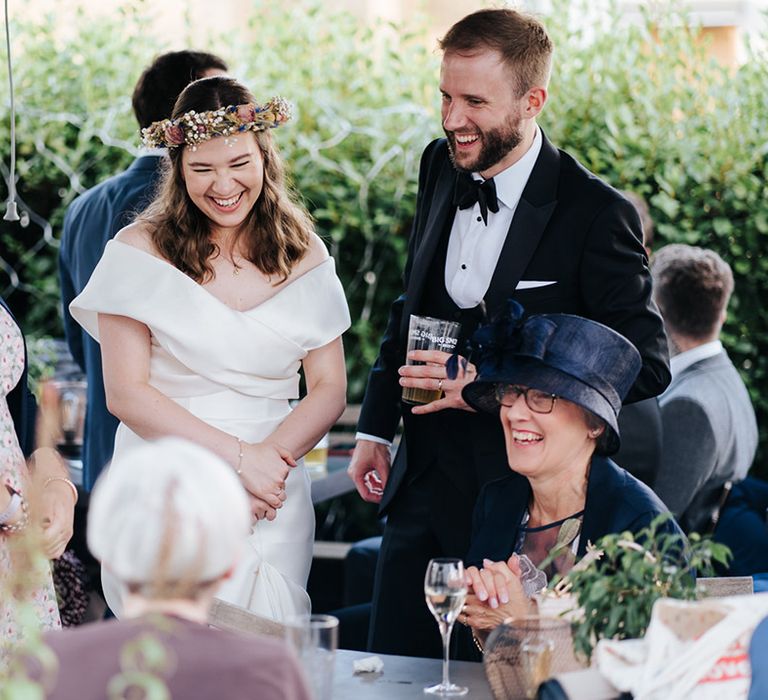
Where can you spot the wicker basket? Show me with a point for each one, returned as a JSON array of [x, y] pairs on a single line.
[[522, 653]]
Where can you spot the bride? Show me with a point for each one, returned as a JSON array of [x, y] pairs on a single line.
[[206, 308]]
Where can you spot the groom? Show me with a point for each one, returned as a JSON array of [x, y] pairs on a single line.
[[539, 229]]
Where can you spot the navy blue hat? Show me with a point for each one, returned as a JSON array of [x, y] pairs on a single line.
[[580, 360]]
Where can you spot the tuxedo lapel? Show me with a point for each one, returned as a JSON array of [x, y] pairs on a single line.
[[441, 209], [532, 215]]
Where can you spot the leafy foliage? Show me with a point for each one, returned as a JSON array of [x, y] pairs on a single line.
[[618, 583], [74, 129]]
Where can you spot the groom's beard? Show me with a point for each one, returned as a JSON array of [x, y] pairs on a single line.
[[496, 143]]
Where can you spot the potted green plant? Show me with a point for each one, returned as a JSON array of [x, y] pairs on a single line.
[[622, 575]]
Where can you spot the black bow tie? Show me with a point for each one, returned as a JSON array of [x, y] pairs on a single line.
[[468, 191]]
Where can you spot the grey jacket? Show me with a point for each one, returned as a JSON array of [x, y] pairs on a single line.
[[709, 437]]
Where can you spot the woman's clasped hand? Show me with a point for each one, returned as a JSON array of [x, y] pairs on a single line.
[[495, 594]]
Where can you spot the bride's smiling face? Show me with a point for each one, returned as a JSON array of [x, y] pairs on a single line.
[[224, 177]]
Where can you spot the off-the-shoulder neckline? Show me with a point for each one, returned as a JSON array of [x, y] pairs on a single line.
[[166, 264]]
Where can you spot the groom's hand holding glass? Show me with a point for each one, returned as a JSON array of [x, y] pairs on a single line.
[[432, 376], [371, 461]]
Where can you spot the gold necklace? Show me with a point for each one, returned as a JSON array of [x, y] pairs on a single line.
[[235, 267]]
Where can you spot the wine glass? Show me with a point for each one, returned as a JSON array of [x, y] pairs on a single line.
[[445, 591]]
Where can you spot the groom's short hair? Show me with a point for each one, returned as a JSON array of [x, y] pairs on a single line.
[[520, 38]]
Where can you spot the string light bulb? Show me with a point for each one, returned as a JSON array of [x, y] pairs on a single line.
[[12, 209]]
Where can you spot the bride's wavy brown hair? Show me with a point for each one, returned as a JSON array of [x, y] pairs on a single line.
[[277, 229]]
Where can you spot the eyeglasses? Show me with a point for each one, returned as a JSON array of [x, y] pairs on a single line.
[[538, 401]]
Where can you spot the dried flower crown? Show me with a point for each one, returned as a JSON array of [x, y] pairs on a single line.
[[193, 128]]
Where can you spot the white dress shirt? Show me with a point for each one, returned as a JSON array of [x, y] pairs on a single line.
[[473, 247]]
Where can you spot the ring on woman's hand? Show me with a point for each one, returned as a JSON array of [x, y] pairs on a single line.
[[439, 384]]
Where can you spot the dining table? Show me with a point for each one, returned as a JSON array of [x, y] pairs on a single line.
[[403, 677]]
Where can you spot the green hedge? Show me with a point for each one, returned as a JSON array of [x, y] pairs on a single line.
[[641, 106]]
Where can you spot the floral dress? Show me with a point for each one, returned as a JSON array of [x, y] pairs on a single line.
[[23, 579]]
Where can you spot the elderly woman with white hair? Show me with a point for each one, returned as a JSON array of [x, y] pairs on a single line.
[[170, 524]]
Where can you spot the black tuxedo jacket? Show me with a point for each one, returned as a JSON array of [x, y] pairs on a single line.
[[571, 228]]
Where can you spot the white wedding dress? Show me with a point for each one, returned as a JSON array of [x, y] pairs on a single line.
[[236, 370]]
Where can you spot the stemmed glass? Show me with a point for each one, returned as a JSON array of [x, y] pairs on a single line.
[[445, 591]]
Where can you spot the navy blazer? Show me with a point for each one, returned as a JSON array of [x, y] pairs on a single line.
[[90, 222], [616, 501], [22, 404]]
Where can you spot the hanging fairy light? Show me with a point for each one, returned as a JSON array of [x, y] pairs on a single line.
[[11, 210]]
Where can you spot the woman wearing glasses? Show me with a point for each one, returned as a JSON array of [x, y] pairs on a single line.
[[557, 382]]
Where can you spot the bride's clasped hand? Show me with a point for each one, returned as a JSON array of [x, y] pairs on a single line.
[[263, 470]]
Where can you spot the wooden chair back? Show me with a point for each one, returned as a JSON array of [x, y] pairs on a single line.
[[722, 586], [226, 616]]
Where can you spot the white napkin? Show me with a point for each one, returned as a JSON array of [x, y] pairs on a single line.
[[370, 664]]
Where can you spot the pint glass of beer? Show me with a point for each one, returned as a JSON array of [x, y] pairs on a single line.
[[425, 333]]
